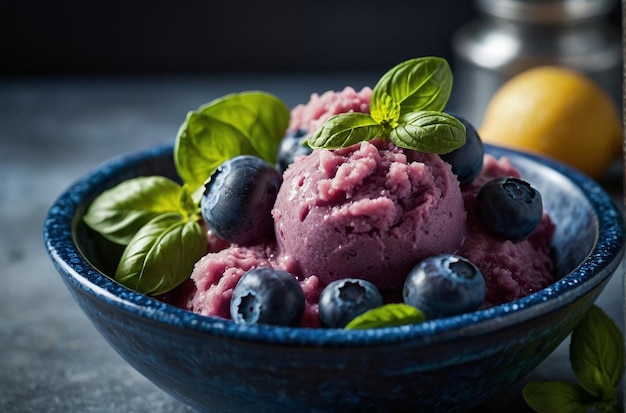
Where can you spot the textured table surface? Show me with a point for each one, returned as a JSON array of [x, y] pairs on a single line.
[[51, 132]]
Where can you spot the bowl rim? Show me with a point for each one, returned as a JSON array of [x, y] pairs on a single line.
[[59, 239]]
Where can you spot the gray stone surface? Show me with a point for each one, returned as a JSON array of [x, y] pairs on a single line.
[[51, 132]]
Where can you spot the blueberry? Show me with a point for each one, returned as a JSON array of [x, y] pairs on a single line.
[[267, 296], [466, 161], [291, 146], [509, 208], [444, 285], [238, 199], [342, 300]]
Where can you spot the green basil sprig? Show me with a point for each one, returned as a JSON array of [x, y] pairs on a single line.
[[118, 213], [423, 83], [202, 144], [260, 116], [346, 129], [406, 107], [597, 359], [152, 261], [429, 131], [247, 123], [158, 220]]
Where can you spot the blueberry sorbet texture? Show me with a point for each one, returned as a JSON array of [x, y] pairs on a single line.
[[368, 211], [372, 211]]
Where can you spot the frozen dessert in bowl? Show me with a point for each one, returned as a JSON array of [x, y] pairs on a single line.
[[439, 364], [371, 210]]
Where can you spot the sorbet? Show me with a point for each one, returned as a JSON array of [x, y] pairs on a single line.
[[320, 108], [511, 270], [216, 275], [372, 211], [368, 211]]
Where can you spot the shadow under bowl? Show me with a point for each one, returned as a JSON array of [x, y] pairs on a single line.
[[450, 364]]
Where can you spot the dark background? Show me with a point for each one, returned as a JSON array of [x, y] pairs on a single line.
[[189, 36]]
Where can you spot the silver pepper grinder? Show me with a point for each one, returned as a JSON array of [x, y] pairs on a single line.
[[510, 36]]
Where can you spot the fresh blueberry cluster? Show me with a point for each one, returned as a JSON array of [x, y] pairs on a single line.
[[237, 203], [439, 286]]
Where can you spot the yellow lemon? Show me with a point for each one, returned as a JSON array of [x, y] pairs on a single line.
[[559, 113]]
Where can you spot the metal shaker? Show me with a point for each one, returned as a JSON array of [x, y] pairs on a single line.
[[510, 36]]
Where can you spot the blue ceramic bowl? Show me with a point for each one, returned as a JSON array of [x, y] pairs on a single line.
[[449, 364]]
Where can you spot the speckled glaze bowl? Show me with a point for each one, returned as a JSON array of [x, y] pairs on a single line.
[[449, 364]]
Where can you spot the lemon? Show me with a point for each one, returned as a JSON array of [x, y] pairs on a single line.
[[558, 113]]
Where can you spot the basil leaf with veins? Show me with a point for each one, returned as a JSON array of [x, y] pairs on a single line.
[[423, 83], [161, 255], [597, 353], [118, 213], [247, 123], [344, 130], [262, 117], [429, 131], [202, 144], [556, 397], [597, 358]]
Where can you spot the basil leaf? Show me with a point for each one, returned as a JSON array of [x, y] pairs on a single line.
[[405, 106], [161, 255], [423, 83], [388, 315], [190, 202], [202, 144], [344, 130], [119, 212], [429, 131], [260, 116], [597, 353], [556, 397], [387, 112]]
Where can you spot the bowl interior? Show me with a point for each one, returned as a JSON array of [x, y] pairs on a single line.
[[577, 228], [589, 240]]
